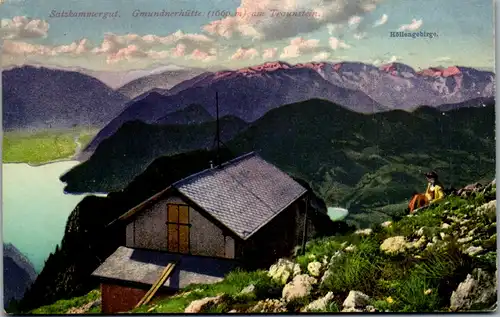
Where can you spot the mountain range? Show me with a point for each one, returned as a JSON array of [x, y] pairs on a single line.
[[350, 159], [251, 92], [42, 98], [18, 273]]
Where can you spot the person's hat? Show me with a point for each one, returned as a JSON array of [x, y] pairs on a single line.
[[431, 174]]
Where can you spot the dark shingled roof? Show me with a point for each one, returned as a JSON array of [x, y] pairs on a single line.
[[145, 267], [244, 194]]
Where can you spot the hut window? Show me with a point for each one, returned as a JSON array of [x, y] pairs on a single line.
[[178, 228]]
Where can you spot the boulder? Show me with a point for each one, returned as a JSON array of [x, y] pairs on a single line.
[[370, 309], [314, 268], [364, 232], [321, 304], [83, 309], [465, 240], [356, 299], [477, 291], [248, 290], [420, 232], [350, 248], [283, 270], [269, 306], [394, 245], [200, 305], [386, 224], [300, 286], [472, 250], [417, 244], [351, 310], [325, 276], [489, 207]]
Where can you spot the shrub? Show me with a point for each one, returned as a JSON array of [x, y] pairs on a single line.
[[354, 271]]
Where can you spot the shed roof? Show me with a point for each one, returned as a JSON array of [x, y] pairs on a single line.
[[145, 267], [243, 194]]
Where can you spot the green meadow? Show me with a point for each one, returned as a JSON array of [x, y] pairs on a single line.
[[43, 146]]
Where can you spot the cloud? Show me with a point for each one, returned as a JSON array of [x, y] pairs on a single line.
[[443, 59], [18, 48], [383, 20], [202, 56], [382, 61], [179, 50], [335, 43], [359, 36], [269, 27], [112, 43], [321, 56], [354, 21], [244, 53], [414, 25], [126, 53], [300, 46], [269, 53], [21, 27], [393, 59]]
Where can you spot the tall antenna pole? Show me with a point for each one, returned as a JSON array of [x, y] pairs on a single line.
[[217, 126]]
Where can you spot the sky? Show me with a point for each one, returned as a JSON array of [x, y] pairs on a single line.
[[251, 32]]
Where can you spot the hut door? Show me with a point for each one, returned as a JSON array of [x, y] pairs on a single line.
[[178, 228]]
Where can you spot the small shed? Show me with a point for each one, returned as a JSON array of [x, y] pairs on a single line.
[[245, 212]]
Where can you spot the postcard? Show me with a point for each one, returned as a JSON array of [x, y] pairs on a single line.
[[237, 156]]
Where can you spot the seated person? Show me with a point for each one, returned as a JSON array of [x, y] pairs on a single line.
[[433, 193]]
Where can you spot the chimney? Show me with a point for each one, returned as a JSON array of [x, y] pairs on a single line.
[[211, 164]]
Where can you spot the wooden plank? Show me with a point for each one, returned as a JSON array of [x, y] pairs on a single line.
[[156, 286]]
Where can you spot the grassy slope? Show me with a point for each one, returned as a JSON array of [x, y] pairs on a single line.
[[43, 147], [394, 282], [62, 306]]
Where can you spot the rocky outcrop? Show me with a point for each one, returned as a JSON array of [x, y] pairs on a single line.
[[321, 304], [283, 270], [200, 305], [356, 300], [269, 306], [394, 245], [476, 292], [300, 286]]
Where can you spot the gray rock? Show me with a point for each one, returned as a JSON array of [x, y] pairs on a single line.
[[478, 289], [465, 240], [321, 304], [325, 276], [351, 310], [248, 290], [370, 309], [314, 268], [472, 250], [300, 286], [199, 305], [356, 299]]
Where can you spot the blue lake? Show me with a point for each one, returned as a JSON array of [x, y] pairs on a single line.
[[35, 208]]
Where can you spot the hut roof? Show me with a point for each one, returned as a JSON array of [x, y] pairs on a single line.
[[243, 194]]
